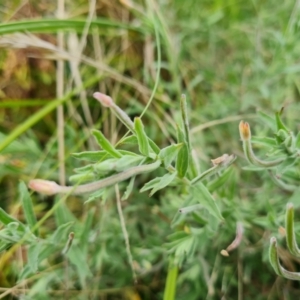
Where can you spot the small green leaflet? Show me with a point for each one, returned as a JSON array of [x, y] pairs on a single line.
[[33, 256], [27, 206], [168, 154], [268, 120], [279, 123], [92, 156], [141, 137], [182, 162], [158, 183], [203, 196], [129, 189], [105, 144]]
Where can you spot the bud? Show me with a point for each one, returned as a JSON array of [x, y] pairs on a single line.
[[45, 187], [224, 253], [245, 132], [103, 99]]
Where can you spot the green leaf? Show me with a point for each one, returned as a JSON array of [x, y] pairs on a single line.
[[268, 120], [282, 136], [61, 233], [53, 25], [279, 123], [253, 168], [130, 140], [33, 256], [125, 152], [153, 146], [78, 259], [105, 166], [105, 144], [84, 169], [142, 137], [159, 183], [6, 219], [264, 141], [177, 235], [182, 162], [168, 154], [81, 178], [185, 121], [184, 246], [297, 140], [8, 236], [87, 228], [290, 231], [62, 213], [201, 193], [27, 206], [273, 257], [129, 189], [221, 180], [93, 156], [128, 161], [189, 209], [4, 245], [96, 195]]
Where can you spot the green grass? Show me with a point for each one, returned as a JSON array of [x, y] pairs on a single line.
[[234, 61]]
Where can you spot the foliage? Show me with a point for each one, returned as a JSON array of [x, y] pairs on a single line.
[[234, 61]]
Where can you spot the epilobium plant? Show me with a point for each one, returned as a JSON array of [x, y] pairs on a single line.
[[106, 171], [114, 164], [282, 164]]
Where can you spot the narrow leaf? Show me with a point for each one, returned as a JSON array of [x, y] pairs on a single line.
[[268, 120], [81, 178], [130, 140], [191, 208], [93, 156], [128, 161], [204, 197], [182, 162], [142, 137], [264, 141], [105, 166], [153, 146], [129, 189], [87, 168], [87, 228], [78, 259], [159, 183], [61, 233], [6, 219], [27, 206], [96, 195], [185, 121], [33, 256], [290, 231], [279, 123], [105, 144], [168, 154]]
